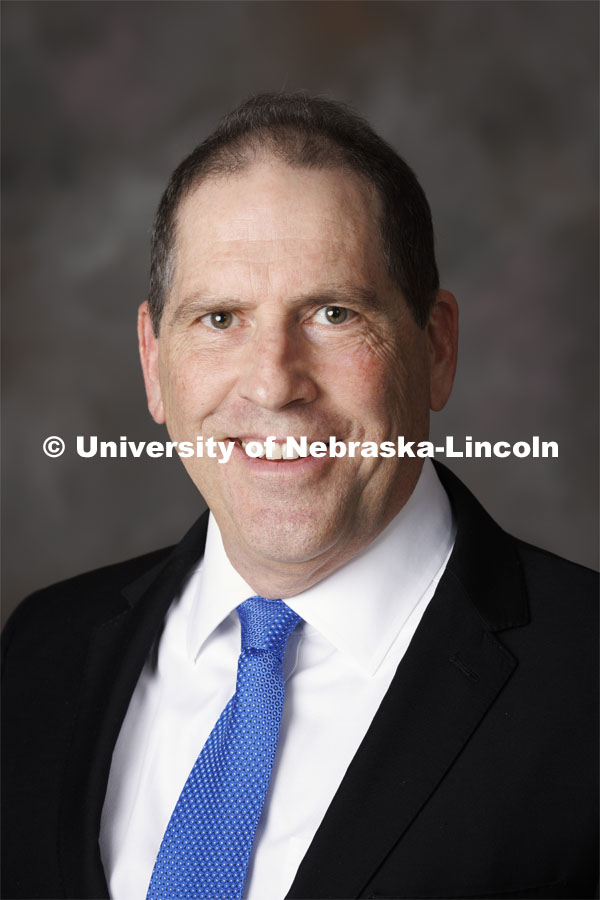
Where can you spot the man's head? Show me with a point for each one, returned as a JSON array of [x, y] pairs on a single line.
[[295, 293], [308, 133]]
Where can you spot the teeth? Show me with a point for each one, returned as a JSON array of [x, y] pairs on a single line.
[[261, 452], [276, 451]]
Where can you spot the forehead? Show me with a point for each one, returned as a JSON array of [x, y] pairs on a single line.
[[272, 223]]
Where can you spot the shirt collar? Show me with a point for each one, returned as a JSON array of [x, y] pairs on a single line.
[[217, 590], [362, 606]]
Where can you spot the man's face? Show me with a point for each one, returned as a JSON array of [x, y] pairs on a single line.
[[282, 320]]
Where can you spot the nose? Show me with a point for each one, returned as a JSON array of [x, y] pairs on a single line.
[[276, 370]]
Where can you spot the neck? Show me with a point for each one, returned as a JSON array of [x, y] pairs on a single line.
[[280, 579], [273, 577]]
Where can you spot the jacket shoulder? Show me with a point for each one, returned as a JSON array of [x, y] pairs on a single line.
[[82, 601], [563, 608], [551, 575]]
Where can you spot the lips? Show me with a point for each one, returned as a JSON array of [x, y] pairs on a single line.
[[274, 450], [269, 446]]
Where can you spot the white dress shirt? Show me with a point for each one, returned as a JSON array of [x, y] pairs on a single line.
[[339, 663]]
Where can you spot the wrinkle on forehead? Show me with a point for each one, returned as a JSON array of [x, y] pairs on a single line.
[[210, 233], [258, 203], [261, 226]]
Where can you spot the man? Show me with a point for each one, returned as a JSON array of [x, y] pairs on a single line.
[[436, 738]]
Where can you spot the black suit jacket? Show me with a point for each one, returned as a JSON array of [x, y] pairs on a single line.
[[475, 779]]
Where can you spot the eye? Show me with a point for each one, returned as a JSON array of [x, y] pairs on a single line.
[[219, 320], [332, 315]]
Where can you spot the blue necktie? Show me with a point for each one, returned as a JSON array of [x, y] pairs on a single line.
[[206, 848]]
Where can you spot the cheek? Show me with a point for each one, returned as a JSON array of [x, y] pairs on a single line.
[[382, 384], [191, 387], [366, 376]]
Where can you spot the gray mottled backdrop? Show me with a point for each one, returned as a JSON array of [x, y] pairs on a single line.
[[495, 106]]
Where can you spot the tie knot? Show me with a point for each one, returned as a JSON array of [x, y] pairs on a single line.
[[266, 624]]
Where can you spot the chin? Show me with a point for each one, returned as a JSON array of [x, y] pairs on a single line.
[[289, 537]]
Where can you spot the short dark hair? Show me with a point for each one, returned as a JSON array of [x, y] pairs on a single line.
[[308, 132]]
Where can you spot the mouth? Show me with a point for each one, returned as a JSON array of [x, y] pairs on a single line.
[[274, 449], [278, 456], [278, 450]]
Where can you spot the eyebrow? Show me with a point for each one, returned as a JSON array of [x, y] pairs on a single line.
[[198, 304], [353, 295]]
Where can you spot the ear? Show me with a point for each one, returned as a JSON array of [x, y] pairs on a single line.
[[148, 346], [442, 333]]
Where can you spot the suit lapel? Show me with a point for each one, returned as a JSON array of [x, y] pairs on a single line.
[[450, 676], [118, 650], [447, 680]]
